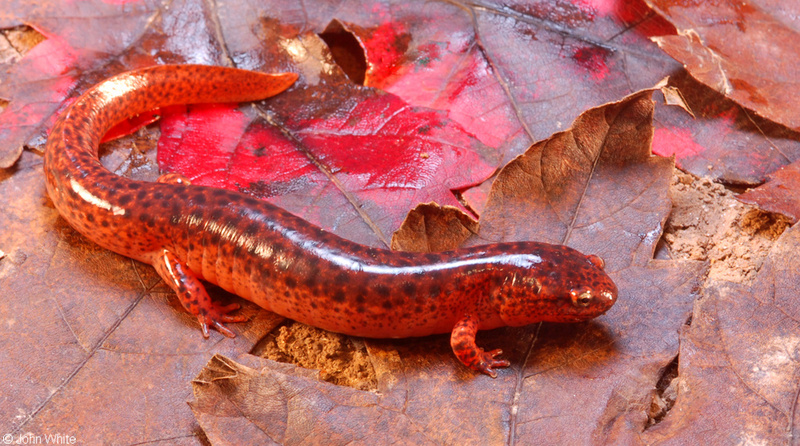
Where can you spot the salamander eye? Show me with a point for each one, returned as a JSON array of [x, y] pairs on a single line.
[[582, 299], [596, 261]]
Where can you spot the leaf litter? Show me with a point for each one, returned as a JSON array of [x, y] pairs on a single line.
[[405, 376]]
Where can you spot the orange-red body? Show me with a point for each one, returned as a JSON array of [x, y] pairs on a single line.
[[283, 263]]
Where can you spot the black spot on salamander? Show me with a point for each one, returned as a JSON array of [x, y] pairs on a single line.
[[339, 296], [124, 199], [361, 299], [90, 217], [199, 199], [290, 282], [340, 278], [409, 289], [382, 290], [387, 304], [311, 280], [140, 195]]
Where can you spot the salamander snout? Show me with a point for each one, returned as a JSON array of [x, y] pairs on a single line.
[[573, 287]]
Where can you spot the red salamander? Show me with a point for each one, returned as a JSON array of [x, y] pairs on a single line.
[[280, 261]]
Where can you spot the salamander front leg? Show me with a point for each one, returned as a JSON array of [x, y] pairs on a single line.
[[193, 295], [462, 340]]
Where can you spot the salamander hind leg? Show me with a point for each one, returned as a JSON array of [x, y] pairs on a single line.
[[462, 340], [193, 295]]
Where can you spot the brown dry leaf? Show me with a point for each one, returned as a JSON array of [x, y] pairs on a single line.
[[595, 187], [745, 50], [739, 360], [673, 96], [780, 194], [430, 227], [280, 404]]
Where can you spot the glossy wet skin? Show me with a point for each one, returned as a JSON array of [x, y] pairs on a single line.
[[283, 263]]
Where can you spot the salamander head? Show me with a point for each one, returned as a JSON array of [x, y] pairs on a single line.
[[563, 286]]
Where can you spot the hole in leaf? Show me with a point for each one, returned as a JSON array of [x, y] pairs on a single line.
[[764, 223], [341, 360], [665, 395], [22, 39], [346, 51]]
